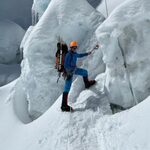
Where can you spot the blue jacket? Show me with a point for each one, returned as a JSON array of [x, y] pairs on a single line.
[[71, 59]]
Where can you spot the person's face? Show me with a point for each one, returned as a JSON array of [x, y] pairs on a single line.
[[73, 48]]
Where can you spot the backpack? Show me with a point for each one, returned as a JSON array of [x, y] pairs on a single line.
[[62, 50]]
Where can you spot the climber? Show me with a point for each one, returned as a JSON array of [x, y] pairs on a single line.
[[71, 68]]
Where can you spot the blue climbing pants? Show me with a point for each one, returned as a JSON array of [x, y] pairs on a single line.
[[68, 82]]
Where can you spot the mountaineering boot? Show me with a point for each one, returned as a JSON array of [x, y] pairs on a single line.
[[64, 105], [88, 83]]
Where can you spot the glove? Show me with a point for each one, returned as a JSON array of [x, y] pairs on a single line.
[[96, 47]]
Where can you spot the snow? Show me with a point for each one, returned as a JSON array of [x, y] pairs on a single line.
[[126, 40], [39, 7], [92, 125], [127, 130], [27, 34], [110, 5], [86, 128], [24, 40], [38, 74], [11, 36]]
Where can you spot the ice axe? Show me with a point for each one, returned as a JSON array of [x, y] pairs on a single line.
[[96, 47]]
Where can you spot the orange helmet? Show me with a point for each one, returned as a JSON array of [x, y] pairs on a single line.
[[73, 43]]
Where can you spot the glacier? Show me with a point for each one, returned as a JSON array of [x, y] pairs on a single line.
[[120, 67]]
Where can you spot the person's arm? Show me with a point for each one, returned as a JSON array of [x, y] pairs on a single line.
[[82, 55]]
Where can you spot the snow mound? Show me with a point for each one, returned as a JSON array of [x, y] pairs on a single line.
[[128, 130], [11, 36], [38, 73], [124, 37]]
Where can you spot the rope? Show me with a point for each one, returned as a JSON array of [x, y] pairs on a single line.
[[106, 7], [127, 72]]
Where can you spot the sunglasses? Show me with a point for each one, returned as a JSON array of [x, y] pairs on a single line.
[[74, 47]]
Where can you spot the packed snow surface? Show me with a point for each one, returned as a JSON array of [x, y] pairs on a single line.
[[86, 128]]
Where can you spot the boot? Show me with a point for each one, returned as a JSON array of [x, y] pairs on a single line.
[[65, 106], [88, 83]]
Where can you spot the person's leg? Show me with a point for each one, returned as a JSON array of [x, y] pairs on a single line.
[[81, 72], [84, 74], [67, 86], [64, 106]]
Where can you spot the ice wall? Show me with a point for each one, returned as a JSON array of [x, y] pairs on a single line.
[[39, 7], [125, 39]]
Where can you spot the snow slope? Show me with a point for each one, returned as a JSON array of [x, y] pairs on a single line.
[[38, 74], [128, 130], [41, 133], [87, 128], [124, 37]]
